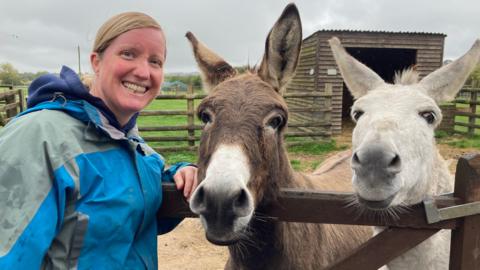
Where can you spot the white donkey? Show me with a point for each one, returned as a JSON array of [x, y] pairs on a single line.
[[395, 161]]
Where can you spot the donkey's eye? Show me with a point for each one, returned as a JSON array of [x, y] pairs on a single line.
[[357, 114], [205, 117], [275, 122], [429, 116]]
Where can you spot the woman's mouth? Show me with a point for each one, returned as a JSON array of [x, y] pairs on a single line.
[[135, 88]]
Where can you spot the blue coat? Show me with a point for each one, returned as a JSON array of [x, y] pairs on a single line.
[[77, 192]]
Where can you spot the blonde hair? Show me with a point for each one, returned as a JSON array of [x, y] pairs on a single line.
[[120, 24]]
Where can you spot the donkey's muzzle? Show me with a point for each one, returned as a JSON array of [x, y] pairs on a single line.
[[376, 163], [217, 204], [224, 212]]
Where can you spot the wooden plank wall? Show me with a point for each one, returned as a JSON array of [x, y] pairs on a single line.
[[12, 102], [429, 57], [313, 113]]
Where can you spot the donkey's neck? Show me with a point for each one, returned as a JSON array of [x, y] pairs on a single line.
[[442, 180]]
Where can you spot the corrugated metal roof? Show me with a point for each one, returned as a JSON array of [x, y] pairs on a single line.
[[376, 32]]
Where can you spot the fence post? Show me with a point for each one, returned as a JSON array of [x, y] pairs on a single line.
[[21, 98], [473, 109], [11, 99], [465, 245], [190, 116]]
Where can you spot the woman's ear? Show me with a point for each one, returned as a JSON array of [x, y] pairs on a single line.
[[95, 62]]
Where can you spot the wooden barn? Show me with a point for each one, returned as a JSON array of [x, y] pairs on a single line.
[[317, 73]]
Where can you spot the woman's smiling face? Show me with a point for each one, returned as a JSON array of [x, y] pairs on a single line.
[[129, 73]]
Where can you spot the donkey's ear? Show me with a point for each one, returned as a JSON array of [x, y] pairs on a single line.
[[282, 49], [443, 84], [359, 78], [213, 68]]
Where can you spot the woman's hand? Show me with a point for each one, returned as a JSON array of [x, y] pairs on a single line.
[[186, 179]]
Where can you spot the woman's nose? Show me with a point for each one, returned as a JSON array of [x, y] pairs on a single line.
[[142, 70]]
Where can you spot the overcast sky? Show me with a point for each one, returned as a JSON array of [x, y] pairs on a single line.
[[44, 35]]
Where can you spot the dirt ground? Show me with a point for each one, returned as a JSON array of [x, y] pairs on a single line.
[[186, 246]]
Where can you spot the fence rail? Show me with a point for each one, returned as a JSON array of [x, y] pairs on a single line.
[[470, 97], [403, 233]]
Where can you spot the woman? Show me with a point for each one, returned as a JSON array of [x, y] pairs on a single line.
[[78, 187]]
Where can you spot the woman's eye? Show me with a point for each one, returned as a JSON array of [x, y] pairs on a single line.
[[429, 116], [156, 62], [127, 54], [357, 114], [275, 122], [205, 117]]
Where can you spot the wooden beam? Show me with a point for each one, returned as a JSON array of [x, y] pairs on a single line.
[[182, 96], [170, 138], [174, 204], [158, 112], [382, 248], [169, 128], [175, 148], [297, 205], [465, 245]]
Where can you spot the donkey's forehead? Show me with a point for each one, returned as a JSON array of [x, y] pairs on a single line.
[[396, 96], [246, 89]]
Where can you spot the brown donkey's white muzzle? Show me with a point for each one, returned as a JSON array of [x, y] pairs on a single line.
[[222, 200]]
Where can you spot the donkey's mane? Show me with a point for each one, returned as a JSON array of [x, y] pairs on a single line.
[[406, 76]]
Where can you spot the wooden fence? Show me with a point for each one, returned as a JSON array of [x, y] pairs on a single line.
[[402, 234], [468, 105], [12, 102], [192, 125]]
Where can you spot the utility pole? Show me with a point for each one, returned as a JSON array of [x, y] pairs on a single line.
[[79, 66]]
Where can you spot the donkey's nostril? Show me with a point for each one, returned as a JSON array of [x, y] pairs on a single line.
[[241, 203], [395, 161], [355, 159], [395, 164], [241, 199], [198, 204]]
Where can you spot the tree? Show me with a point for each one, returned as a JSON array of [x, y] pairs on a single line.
[[9, 75]]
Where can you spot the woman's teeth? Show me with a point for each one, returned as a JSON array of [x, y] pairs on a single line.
[[135, 88]]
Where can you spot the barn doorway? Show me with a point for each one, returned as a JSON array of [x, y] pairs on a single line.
[[385, 62]]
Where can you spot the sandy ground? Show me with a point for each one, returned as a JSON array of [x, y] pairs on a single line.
[[187, 248]]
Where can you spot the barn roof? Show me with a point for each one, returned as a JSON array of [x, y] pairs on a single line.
[[376, 32]]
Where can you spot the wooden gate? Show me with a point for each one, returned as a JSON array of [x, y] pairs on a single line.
[[402, 234]]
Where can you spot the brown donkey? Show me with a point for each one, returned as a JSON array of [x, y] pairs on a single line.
[[243, 162]]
